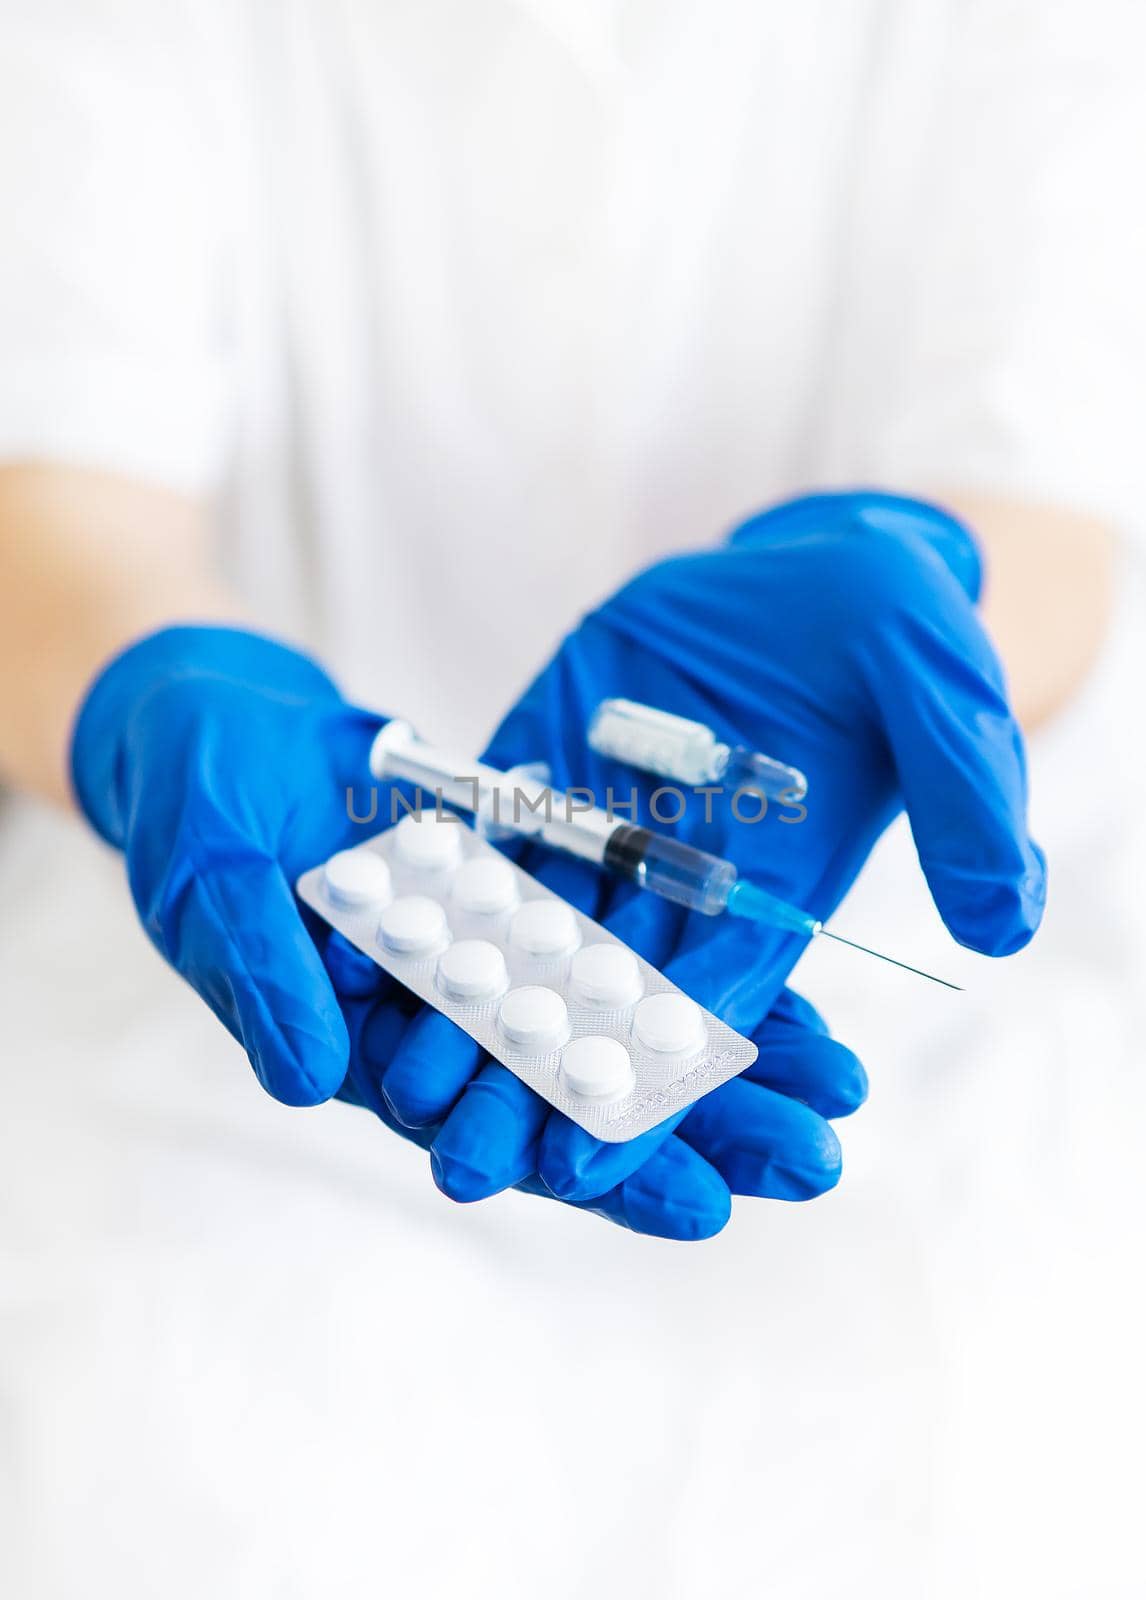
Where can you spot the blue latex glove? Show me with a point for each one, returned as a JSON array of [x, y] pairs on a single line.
[[219, 762], [839, 633], [764, 1134]]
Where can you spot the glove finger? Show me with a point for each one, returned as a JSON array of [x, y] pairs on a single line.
[[576, 1166], [235, 933], [353, 974], [574, 1163], [799, 1078], [428, 1069], [376, 1028], [796, 1061], [763, 1143], [803, 1062], [959, 758], [793, 1007], [731, 977], [676, 1194], [489, 1140]]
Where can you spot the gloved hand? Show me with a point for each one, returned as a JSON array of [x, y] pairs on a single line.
[[219, 762], [838, 633], [765, 1133]]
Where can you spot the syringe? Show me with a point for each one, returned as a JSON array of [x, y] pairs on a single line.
[[663, 865]]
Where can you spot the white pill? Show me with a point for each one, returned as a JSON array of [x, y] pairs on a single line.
[[485, 886], [597, 1068], [534, 1018], [472, 969], [544, 928], [430, 842], [356, 878], [413, 925], [605, 975], [669, 1024]]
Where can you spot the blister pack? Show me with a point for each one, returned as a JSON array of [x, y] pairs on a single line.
[[596, 1030]]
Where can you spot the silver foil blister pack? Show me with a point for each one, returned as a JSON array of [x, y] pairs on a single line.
[[573, 1012]]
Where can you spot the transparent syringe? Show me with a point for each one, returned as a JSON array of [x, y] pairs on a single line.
[[657, 862]]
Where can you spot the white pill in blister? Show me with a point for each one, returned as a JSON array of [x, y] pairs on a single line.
[[545, 928], [533, 1017], [485, 887], [430, 842], [669, 1024], [413, 925], [597, 1068], [605, 975], [472, 969], [354, 878]]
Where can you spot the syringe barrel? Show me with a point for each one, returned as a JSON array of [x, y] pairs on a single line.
[[669, 867], [666, 866], [514, 800]]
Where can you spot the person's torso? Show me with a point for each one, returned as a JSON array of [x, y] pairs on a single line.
[[524, 295]]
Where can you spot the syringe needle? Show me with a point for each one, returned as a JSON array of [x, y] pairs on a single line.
[[919, 972]]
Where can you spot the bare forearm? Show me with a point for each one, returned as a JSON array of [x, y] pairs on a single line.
[[1047, 595], [88, 562]]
